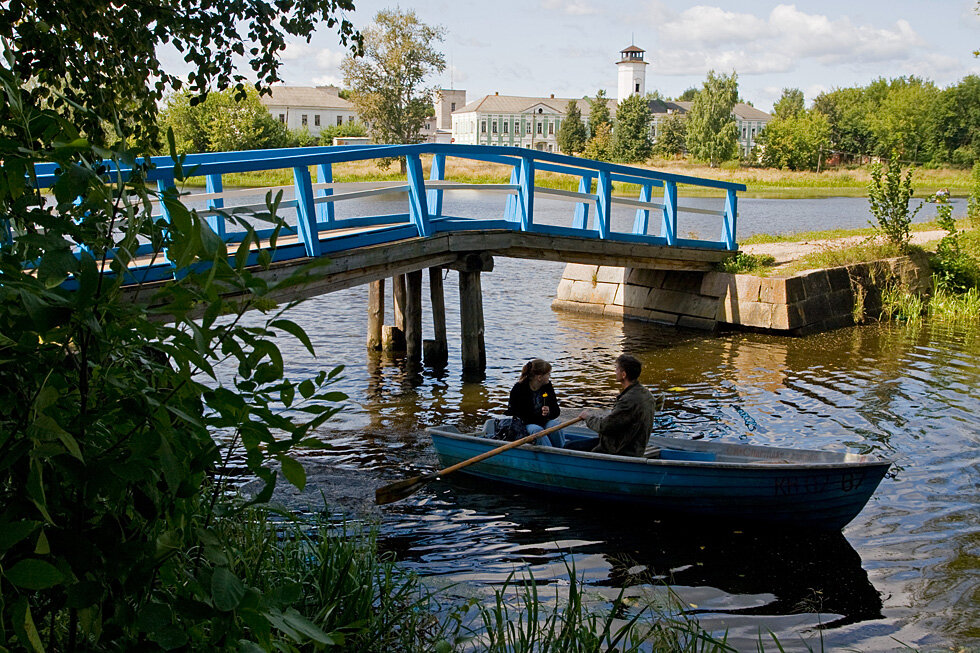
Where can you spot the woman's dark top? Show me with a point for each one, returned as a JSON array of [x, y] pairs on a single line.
[[526, 403]]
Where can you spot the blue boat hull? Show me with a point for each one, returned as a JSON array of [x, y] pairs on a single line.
[[739, 483]]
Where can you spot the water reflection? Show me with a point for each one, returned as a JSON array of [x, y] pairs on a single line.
[[485, 534]]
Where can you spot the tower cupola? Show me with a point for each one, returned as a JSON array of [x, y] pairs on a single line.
[[632, 73]]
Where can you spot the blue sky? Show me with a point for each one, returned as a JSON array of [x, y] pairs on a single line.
[[569, 47]]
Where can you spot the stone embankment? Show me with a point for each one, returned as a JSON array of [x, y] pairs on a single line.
[[797, 304]]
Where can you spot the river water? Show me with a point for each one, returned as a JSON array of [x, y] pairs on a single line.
[[905, 571]]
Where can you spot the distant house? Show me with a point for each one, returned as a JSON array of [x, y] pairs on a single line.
[[313, 107], [528, 122], [749, 120]]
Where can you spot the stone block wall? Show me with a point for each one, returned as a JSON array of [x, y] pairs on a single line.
[[807, 302]]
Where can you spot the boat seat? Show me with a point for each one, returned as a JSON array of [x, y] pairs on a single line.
[[652, 452], [489, 428]]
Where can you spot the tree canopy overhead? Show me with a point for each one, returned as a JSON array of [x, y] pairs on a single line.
[[387, 84], [103, 56]]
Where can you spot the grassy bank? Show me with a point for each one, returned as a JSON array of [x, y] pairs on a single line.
[[761, 182]]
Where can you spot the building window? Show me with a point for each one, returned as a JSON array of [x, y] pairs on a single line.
[[743, 132], [753, 132], [528, 131], [551, 129], [493, 127], [304, 120], [539, 128], [506, 126], [452, 107], [316, 119], [483, 126], [637, 89], [282, 118]]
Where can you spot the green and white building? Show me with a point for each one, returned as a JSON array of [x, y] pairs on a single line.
[[529, 122]]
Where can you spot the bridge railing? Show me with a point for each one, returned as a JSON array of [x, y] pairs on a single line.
[[316, 229]]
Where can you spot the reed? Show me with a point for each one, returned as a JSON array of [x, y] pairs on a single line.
[[518, 621]]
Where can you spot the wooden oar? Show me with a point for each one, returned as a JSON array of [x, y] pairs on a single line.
[[401, 489]]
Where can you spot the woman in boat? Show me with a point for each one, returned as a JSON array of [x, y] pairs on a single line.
[[532, 399]]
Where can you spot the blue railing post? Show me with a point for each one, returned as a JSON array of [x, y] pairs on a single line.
[[437, 173], [418, 208], [731, 216], [306, 224], [603, 205], [216, 222], [581, 220], [324, 210], [668, 228], [642, 220], [164, 185], [527, 193], [510, 209]]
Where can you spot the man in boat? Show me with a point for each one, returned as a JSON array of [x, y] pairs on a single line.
[[625, 430]]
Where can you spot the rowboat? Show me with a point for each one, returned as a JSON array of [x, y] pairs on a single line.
[[689, 478]]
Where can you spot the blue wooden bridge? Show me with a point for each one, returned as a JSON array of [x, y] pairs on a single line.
[[371, 231]]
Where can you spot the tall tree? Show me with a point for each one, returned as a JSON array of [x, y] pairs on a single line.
[[671, 136], [87, 53], [847, 111], [631, 139], [712, 134], [598, 112], [572, 134], [387, 84], [957, 123], [789, 104]]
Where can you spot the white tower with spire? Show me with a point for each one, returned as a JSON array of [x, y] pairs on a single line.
[[632, 73]]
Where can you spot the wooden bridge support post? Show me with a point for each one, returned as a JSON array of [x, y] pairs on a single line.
[[581, 219], [436, 351], [394, 335], [376, 314], [413, 316], [473, 346], [324, 210], [216, 222], [474, 349]]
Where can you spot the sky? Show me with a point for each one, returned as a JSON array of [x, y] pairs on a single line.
[[570, 47]]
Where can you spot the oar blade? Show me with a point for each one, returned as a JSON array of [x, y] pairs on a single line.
[[400, 489]]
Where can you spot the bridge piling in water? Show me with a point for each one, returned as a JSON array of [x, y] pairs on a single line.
[[436, 351], [376, 314]]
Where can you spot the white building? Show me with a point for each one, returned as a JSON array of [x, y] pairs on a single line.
[[750, 121], [313, 107]]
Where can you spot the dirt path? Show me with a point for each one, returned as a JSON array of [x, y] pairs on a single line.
[[788, 252]]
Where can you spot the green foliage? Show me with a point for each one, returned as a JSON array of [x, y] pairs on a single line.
[[631, 140], [688, 95], [386, 86], [789, 105], [110, 482], [795, 142], [712, 134], [599, 113], [599, 146], [954, 269], [224, 122], [339, 131], [743, 263], [901, 122], [973, 203], [889, 194], [572, 135], [671, 136], [101, 68]]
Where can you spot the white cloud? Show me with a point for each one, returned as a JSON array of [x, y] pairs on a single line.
[[327, 80], [573, 7], [704, 37], [329, 59]]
